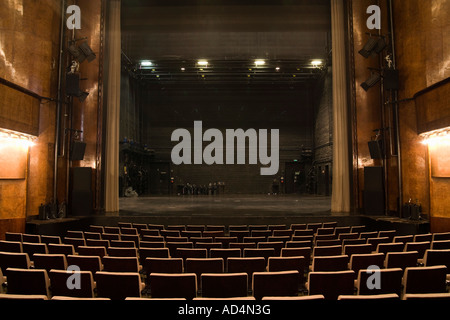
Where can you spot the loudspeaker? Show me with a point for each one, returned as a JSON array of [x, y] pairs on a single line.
[[376, 149], [81, 203], [390, 79], [373, 191], [77, 150], [73, 84]]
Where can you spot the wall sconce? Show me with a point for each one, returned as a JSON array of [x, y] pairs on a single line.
[[436, 136], [11, 136]]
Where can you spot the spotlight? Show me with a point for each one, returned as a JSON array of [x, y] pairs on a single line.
[[316, 63], [202, 63], [82, 52], [146, 63], [87, 51], [369, 83], [373, 46], [260, 62], [76, 53]]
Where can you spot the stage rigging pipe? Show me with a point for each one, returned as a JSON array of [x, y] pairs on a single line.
[[395, 110], [58, 105]]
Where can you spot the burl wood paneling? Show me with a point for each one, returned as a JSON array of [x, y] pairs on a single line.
[[13, 157], [18, 111], [433, 107], [423, 59], [11, 225], [29, 42]]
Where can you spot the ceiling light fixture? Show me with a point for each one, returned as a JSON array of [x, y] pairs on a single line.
[[316, 63], [259, 63], [146, 63], [202, 63]]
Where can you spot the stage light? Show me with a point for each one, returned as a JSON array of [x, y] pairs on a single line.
[[146, 63], [316, 63], [87, 51], [82, 52], [202, 63], [369, 83], [373, 46], [259, 63], [277, 68]]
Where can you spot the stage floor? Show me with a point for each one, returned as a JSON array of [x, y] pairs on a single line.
[[227, 205]]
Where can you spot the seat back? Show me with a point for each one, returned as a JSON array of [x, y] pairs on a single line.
[[420, 247], [364, 261], [50, 261], [390, 247], [297, 252], [330, 263], [247, 265], [31, 238], [175, 285], [28, 281], [352, 249], [379, 281], [14, 260], [145, 253], [92, 251], [92, 235], [277, 246], [98, 243], [86, 263], [226, 285], [204, 265], [65, 249], [331, 284], [118, 285], [13, 236], [440, 245], [81, 283], [122, 252], [120, 264], [225, 254], [280, 283], [327, 251], [185, 253], [11, 246], [32, 248], [425, 280], [401, 259], [441, 236], [299, 264], [254, 252], [437, 257], [51, 239], [163, 265]]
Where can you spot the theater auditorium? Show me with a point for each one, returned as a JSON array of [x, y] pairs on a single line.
[[216, 150]]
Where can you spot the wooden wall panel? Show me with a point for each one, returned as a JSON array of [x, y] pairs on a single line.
[[18, 111], [29, 47], [422, 52]]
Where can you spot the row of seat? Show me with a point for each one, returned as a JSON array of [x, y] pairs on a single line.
[[120, 285], [161, 262]]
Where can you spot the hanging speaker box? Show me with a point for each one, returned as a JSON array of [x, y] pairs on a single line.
[[390, 79], [73, 84], [78, 149]]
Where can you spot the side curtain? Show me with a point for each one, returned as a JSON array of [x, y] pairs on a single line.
[[340, 199], [113, 109]]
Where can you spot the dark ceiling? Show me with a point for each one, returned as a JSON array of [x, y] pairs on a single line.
[[230, 34]]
